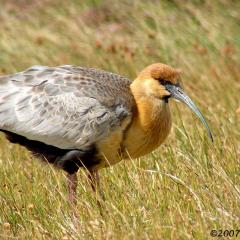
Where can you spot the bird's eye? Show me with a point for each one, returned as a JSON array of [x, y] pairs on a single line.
[[164, 82]]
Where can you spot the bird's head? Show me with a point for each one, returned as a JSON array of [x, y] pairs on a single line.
[[161, 81]]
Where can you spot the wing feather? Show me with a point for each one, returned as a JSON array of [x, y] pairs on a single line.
[[68, 107]]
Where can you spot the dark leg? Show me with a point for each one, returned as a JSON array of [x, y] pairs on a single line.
[[94, 179], [72, 188]]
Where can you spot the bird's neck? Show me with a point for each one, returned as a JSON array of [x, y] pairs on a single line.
[[150, 125]]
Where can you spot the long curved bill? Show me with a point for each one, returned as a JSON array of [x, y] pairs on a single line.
[[178, 93]]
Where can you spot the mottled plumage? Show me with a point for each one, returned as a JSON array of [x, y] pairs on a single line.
[[82, 117], [67, 107]]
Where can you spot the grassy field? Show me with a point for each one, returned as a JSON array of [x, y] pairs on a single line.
[[184, 189]]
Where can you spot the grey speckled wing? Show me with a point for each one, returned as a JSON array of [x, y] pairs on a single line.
[[68, 107]]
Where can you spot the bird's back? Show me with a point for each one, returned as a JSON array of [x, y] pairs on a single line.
[[87, 82], [67, 107]]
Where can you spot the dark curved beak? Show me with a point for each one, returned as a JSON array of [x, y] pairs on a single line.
[[178, 93]]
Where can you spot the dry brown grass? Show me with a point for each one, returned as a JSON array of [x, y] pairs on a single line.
[[182, 190]]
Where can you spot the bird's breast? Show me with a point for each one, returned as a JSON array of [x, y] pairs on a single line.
[[146, 131], [149, 128]]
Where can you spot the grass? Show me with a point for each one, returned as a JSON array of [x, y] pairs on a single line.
[[184, 189]]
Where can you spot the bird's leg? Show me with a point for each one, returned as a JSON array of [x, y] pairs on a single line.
[[72, 195], [72, 188], [94, 179]]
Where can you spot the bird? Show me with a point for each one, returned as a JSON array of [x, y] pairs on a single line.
[[79, 117]]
